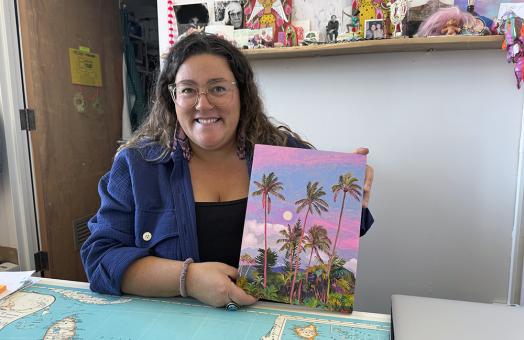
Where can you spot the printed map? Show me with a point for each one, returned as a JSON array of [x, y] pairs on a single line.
[[44, 311]]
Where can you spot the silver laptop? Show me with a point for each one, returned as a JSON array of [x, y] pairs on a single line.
[[419, 318]]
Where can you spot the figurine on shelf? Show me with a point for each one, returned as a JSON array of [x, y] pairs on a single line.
[[386, 9], [495, 27], [332, 29], [446, 21], [451, 28], [513, 29], [350, 16], [398, 14], [291, 36], [479, 28]]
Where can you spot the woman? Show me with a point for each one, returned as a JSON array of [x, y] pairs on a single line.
[[234, 15], [195, 146]]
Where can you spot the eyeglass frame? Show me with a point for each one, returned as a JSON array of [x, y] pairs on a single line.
[[172, 90]]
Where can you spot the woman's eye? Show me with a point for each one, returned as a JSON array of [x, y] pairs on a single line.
[[218, 89], [188, 91]]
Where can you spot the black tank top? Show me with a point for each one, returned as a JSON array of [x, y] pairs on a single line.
[[220, 226]]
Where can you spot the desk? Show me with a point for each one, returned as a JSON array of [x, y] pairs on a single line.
[[416, 318], [56, 309]]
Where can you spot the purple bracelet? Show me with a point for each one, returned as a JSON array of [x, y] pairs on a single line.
[[183, 274]]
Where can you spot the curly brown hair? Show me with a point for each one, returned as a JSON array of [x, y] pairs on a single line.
[[160, 124]]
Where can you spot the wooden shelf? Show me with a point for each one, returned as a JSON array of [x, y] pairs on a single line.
[[441, 43]]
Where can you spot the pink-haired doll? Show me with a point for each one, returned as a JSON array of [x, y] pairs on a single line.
[[445, 21]]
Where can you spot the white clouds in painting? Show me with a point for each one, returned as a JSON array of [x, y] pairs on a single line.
[[254, 234]]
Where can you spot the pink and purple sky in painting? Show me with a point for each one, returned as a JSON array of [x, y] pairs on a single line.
[[294, 169]]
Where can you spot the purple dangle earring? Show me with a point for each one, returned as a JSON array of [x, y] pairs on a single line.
[[181, 140], [241, 144]]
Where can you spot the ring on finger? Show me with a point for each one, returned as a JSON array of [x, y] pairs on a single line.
[[232, 306]]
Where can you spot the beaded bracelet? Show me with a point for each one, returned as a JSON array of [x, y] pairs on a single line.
[[183, 274]]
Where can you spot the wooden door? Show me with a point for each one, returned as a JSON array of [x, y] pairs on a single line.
[[77, 126]]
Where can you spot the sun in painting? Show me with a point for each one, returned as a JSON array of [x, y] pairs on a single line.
[[287, 215]]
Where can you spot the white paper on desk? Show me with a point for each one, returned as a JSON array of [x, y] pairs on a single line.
[[15, 281], [518, 8]]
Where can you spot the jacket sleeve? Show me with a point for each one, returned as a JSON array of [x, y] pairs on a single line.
[[110, 248], [366, 219]]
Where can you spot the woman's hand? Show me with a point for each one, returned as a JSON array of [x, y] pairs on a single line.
[[368, 180], [211, 283]]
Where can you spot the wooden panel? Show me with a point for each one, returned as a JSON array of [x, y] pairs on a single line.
[[71, 150], [443, 43]]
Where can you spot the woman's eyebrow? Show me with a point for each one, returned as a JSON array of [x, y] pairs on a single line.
[[187, 81], [192, 82], [215, 80]]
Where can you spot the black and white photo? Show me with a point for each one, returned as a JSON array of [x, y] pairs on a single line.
[[229, 13], [332, 29], [195, 16]]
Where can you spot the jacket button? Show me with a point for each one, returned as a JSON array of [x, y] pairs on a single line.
[[147, 236]]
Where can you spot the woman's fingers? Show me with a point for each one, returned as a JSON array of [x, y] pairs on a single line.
[[368, 180], [240, 297]]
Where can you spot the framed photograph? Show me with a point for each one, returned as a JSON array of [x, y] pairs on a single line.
[[223, 31], [374, 29], [229, 12]]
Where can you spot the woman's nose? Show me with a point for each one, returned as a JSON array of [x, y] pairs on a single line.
[[203, 102]]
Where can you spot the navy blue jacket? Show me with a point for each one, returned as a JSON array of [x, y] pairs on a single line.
[[147, 208]]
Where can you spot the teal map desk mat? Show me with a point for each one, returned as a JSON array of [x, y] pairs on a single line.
[[58, 311]]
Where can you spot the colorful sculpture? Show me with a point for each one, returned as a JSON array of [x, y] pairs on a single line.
[[513, 30]]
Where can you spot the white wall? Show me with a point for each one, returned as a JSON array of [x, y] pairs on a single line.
[[443, 129]]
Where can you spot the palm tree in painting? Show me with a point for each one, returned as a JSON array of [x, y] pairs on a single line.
[[289, 240], [317, 240], [269, 185], [347, 184], [314, 204]]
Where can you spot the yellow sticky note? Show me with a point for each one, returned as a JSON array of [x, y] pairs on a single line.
[[85, 68]]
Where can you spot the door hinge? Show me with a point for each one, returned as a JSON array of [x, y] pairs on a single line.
[[27, 119], [41, 261]]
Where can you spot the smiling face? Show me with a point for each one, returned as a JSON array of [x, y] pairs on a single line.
[[208, 127]]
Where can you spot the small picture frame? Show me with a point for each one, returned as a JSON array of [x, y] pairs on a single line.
[[374, 29]]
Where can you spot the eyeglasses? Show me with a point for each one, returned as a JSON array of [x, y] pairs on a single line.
[[236, 15], [187, 96]]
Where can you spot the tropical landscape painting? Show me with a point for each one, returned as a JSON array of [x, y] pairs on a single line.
[[301, 233]]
